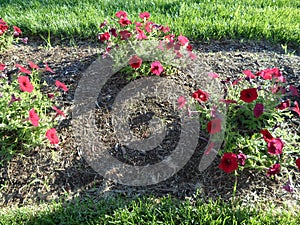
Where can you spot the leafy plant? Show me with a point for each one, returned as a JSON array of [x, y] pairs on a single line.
[[8, 36], [28, 114], [256, 134]]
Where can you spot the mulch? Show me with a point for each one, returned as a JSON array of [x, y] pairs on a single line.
[[47, 174]]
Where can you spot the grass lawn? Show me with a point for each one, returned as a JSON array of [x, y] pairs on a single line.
[[205, 19], [274, 21], [119, 210]]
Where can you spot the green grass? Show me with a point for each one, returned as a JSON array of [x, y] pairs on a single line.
[[119, 210], [275, 21]]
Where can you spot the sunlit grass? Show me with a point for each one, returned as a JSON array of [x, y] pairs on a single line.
[[198, 19]]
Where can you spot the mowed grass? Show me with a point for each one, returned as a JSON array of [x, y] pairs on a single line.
[[277, 21], [144, 211]]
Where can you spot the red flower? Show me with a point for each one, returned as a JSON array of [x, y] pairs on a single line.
[[145, 15], [214, 126], [183, 40], [249, 95], [140, 34], [296, 108], [283, 105], [165, 29], [103, 24], [52, 137], [209, 148], [258, 110], [249, 74], [138, 24], [25, 84], [23, 69], [121, 14], [3, 26], [200, 95], [32, 65], [33, 117], [13, 99], [294, 90], [229, 162], [61, 85], [270, 73], [104, 37], [2, 67], [241, 157], [273, 170], [113, 32], [156, 68], [298, 163], [135, 62], [58, 112], [124, 21], [17, 31], [189, 47], [213, 75], [181, 101], [266, 135], [125, 34], [275, 146], [148, 26]]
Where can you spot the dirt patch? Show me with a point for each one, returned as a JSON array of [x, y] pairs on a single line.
[[49, 174]]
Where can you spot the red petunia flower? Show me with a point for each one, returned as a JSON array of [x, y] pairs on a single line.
[[23, 69], [149, 26], [165, 29], [298, 163], [140, 34], [273, 170], [124, 21], [156, 68], [2, 67], [113, 32], [284, 105], [58, 112], [181, 102], [144, 15], [275, 146], [121, 14], [33, 117], [61, 85], [296, 108], [183, 40], [229, 162], [52, 136], [135, 62], [104, 37], [270, 73], [32, 65], [241, 157], [25, 84], [209, 148], [214, 126], [125, 34], [189, 47], [258, 110], [13, 99], [294, 90], [266, 135], [138, 24], [249, 74], [3, 26], [249, 95], [213, 75], [200, 95], [17, 31]]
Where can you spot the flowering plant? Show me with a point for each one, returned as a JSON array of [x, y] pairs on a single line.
[[122, 30], [29, 114], [8, 36], [256, 133]]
